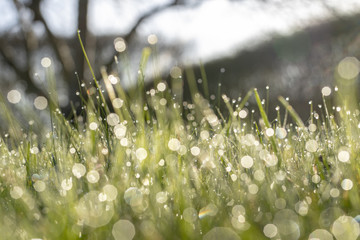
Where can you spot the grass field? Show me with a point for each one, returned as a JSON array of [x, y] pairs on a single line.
[[148, 165]]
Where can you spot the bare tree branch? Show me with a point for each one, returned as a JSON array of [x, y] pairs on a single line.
[[62, 50], [23, 74], [128, 37]]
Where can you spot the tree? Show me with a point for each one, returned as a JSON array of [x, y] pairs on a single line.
[[17, 50]]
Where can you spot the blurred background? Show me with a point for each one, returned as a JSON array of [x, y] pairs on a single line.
[[293, 46]]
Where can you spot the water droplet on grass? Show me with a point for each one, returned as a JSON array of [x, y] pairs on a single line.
[[120, 131], [14, 96], [39, 186], [117, 103], [344, 156], [45, 62], [209, 210], [315, 178], [190, 215], [280, 203], [124, 142], [152, 39], [345, 227], [16, 192], [111, 192], [311, 146], [247, 161], [133, 196], [348, 68], [270, 230], [326, 91], [269, 132], [113, 79], [119, 44], [221, 233], [195, 151], [92, 211], [259, 175], [93, 176], [112, 119], [78, 170], [238, 210], [161, 197], [253, 189], [320, 234], [280, 133], [161, 162], [40, 103], [334, 192], [123, 230], [174, 144], [347, 184], [66, 184], [141, 154], [204, 135], [312, 127], [243, 113], [161, 87], [93, 126]]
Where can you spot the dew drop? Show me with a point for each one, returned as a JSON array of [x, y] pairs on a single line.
[[16, 192], [40, 103], [270, 230], [110, 191], [133, 197], [112, 119], [14, 96], [66, 184], [210, 210], [247, 161], [39, 186], [195, 151], [93, 176], [320, 234], [92, 211], [120, 131], [45, 62], [117, 103], [326, 91], [312, 127], [221, 233], [93, 126], [161, 162], [119, 44], [345, 227], [269, 132], [348, 68], [161, 87], [280, 133], [152, 39], [311, 146], [78, 170], [243, 113], [141, 154], [190, 215], [347, 184], [174, 144], [344, 156], [161, 197], [123, 230]]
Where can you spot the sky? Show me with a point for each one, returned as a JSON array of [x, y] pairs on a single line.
[[207, 31]]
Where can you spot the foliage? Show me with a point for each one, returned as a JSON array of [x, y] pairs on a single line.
[[152, 166]]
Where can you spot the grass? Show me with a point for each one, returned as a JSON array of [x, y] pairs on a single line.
[[151, 166]]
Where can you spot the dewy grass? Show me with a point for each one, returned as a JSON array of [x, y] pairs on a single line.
[[160, 168]]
